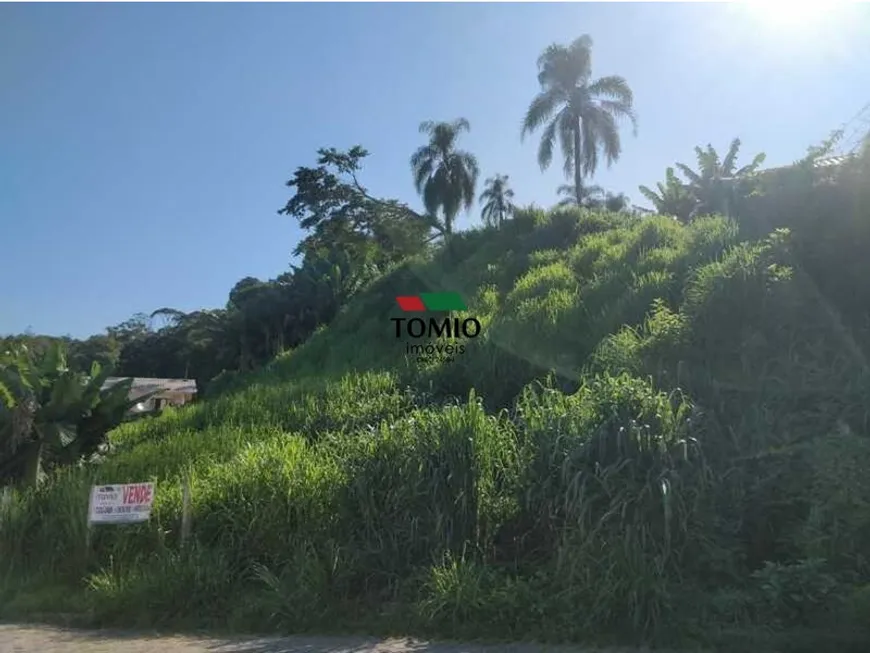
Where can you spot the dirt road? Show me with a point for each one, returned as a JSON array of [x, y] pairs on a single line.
[[43, 639]]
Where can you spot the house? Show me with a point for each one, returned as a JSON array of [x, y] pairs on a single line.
[[167, 392], [830, 163]]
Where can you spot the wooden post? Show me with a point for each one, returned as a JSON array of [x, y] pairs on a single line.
[[185, 510], [88, 526]]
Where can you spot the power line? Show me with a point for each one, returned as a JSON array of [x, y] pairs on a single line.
[[854, 131]]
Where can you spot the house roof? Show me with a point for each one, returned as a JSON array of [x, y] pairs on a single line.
[[832, 161], [827, 162], [143, 385]]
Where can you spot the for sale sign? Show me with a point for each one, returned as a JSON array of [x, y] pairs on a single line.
[[120, 504]]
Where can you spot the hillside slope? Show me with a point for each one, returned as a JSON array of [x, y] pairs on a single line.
[[658, 435]]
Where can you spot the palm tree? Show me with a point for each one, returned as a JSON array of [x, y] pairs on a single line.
[[594, 198], [616, 202], [719, 182], [673, 197], [582, 113], [497, 196], [590, 196], [445, 177]]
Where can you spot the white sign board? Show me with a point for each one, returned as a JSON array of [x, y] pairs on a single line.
[[120, 504]]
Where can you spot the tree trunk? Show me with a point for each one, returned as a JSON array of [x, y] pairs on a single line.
[[33, 464], [578, 172]]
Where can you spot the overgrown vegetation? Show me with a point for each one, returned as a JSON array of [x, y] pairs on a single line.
[[51, 416], [660, 434]]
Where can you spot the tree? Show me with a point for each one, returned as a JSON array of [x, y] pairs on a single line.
[[496, 198], [616, 202], [50, 413], [194, 345], [673, 198], [718, 184], [338, 212], [583, 114], [590, 196], [444, 176], [593, 198], [102, 348]]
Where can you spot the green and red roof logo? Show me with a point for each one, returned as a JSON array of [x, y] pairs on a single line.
[[431, 301]]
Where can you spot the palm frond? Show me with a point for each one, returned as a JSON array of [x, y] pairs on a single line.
[[567, 125], [753, 166], [422, 173], [620, 110], [607, 134], [731, 157], [461, 125], [545, 149], [612, 87], [690, 174], [589, 146], [539, 112], [432, 191], [650, 194]]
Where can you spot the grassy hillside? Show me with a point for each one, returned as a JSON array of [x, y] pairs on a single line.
[[659, 435]]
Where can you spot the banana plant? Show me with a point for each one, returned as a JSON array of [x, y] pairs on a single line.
[[51, 414]]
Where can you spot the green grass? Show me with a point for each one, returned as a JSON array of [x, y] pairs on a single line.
[[651, 413]]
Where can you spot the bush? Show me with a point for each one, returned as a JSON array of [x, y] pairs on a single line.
[[801, 593]]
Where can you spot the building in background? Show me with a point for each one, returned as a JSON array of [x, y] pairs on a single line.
[[163, 392]]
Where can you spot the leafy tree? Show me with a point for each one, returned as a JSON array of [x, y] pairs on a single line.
[[496, 198], [195, 344], [673, 197], [444, 176], [338, 212], [102, 348], [583, 114], [718, 183], [136, 328]]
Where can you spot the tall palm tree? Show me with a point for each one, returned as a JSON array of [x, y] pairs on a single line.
[[718, 183], [581, 112], [673, 197], [444, 176], [497, 196]]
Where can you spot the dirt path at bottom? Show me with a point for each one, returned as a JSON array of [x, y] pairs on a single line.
[[45, 639]]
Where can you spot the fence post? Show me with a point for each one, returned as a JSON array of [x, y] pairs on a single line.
[[185, 510], [88, 525]]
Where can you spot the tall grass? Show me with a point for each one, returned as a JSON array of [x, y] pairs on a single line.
[[634, 433]]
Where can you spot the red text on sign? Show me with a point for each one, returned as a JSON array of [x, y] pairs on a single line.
[[135, 494]]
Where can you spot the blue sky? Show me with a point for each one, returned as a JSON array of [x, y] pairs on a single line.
[[144, 148]]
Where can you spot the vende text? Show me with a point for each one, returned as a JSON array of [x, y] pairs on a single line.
[[137, 494]]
